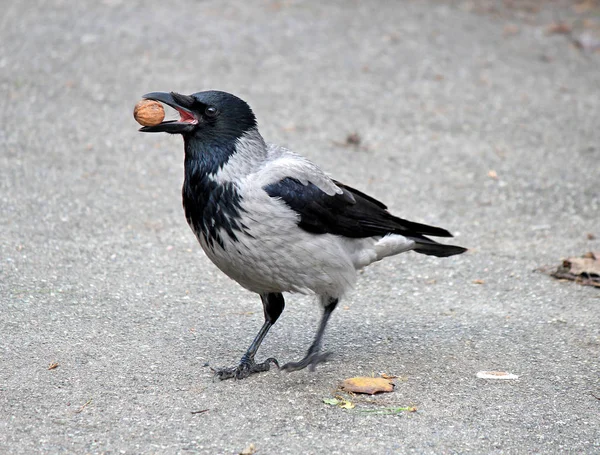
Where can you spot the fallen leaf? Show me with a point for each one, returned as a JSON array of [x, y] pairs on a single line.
[[331, 401], [493, 174], [584, 270], [496, 375], [591, 236], [367, 385], [249, 450], [478, 282], [53, 365]]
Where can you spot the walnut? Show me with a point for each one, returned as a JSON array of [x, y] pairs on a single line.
[[148, 113]]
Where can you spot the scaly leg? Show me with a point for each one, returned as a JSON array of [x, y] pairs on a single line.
[[313, 356], [273, 305]]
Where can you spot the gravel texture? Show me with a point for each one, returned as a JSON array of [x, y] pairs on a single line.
[[473, 118]]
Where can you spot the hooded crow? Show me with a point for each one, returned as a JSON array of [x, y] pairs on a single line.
[[274, 221]]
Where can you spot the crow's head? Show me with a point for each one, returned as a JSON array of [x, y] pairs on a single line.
[[204, 115]]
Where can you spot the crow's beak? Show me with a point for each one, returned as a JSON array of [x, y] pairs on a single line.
[[183, 104]]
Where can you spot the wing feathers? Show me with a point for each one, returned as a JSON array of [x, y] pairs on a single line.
[[349, 213]]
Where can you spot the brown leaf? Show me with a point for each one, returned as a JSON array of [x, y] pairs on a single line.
[[583, 270], [589, 265], [367, 385], [478, 282], [53, 365]]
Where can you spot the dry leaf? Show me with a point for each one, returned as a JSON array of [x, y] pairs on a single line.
[[496, 375], [492, 174], [367, 385], [584, 270], [478, 282], [53, 365]]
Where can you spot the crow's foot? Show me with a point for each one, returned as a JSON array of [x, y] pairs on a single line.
[[311, 361], [245, 369]]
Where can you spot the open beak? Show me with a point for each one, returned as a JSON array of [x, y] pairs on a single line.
[[183, 104]]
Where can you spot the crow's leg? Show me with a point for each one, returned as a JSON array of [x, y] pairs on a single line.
[[273, 305], [313, 356]]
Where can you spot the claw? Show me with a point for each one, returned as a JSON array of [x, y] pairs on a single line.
[[310, 361], [245, 369]]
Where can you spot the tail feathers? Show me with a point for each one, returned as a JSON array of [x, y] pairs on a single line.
[[432, 248]]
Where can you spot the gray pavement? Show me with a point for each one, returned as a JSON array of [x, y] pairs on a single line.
[[100, 273]]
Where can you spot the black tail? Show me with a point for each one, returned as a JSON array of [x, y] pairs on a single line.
[[432, 248]]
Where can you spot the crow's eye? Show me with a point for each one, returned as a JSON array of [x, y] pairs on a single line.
[[211, 111]]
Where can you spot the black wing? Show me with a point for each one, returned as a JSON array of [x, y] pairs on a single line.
[[350, 214]]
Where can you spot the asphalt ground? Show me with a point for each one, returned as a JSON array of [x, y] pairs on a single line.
[[471, 116]]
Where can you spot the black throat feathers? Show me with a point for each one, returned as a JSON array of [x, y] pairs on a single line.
[[211, 208]]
